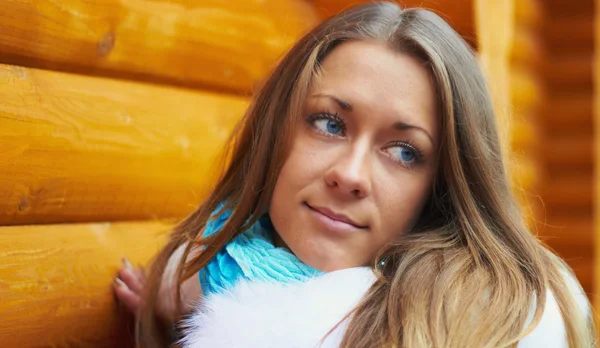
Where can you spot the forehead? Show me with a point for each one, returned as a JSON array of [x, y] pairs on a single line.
[[379, 81]]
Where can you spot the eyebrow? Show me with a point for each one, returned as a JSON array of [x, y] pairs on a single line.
[[343, 104], [405, 126], [401, 126]]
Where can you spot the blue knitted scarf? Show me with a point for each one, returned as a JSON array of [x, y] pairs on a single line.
[[251, 256]]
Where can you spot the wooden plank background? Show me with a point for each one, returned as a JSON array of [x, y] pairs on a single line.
[[459, 13], [220, 45], [77, 148], [55, 282], [567, 135], [89, 139], [595, 115]]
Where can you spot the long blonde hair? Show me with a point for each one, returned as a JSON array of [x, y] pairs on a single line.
[[469, 272]]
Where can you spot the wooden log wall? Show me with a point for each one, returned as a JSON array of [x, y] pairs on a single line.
[[192, 43], [596, 157], [113, 114], [55, 282], [459, 13], [525, 102], [510, 57], [567, 134], [548, 123]]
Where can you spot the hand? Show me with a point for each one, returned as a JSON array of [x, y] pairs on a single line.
[[128, 286]]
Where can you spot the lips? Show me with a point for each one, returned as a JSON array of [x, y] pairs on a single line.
[[336, 216]]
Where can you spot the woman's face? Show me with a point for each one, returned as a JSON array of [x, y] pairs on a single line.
[[362, 159]]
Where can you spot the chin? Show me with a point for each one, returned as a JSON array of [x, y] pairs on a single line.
[[321, 258]]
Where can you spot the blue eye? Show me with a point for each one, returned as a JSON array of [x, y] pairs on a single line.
[[405, 154], [327, 124]]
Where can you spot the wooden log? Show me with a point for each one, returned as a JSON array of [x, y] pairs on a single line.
[[525, 178], [527, 50], [56, 282], [558, 210], [495, 47], [563, 33], [76, 148], [524, 134], [569, 8], [565, 72], [568, 233], [569, 151], [596, 146], [525, 94], [459, 13], [528, 13], [571, 191], [221, 45], [524, 172], [568, 114]]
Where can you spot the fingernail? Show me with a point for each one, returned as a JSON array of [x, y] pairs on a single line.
[[127, 263], [119, 282]]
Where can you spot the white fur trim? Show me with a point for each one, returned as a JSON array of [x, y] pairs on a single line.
[[278, 315], [300, 315]]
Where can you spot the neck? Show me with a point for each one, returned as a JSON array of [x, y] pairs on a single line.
[[278, 242]]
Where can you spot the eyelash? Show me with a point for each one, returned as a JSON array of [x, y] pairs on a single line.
[[336, 118], [418, 153], [327, 116]]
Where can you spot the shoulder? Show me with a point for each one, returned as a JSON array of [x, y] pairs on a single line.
[[550, 331]]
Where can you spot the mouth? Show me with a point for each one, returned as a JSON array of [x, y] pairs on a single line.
[[334, 221]]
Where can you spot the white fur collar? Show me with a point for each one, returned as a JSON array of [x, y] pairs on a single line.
[[278, 315], [300, 315]]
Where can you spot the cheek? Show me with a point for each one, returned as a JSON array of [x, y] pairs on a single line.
[[303, 167], [401, 204], [296, 174]]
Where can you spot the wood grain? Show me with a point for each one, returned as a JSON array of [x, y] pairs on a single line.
[[570, 151], [75, 148], [220, 45], [567, 34], [567, 142], [569, 72], [459, 13], [569, 233], [568, 9], [595, 192], [495, 47], [56, 282], [527, 47], [525, 135], [569, 191], [525, 94], [529, 13], [568, 114], [524, 172]]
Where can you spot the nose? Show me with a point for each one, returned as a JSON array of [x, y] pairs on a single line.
[[350, 174]]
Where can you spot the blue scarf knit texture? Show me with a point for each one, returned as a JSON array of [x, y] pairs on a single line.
[[250, 256]]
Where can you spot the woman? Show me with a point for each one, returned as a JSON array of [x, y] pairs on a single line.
[[372, 144]]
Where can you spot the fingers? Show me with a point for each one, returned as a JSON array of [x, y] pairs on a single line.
[[141, 274], [126, 296], [128, 286], [131, 280], [134, 279]]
